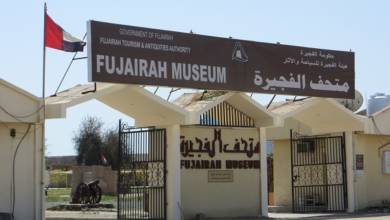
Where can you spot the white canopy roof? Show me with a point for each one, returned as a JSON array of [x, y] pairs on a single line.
[[311, 116], [145, 107], [315, 116], [149, 109]]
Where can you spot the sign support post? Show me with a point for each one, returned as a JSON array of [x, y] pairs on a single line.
[[263, 172], [350, 171]]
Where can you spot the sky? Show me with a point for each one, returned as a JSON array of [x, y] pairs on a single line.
[[360, 26]]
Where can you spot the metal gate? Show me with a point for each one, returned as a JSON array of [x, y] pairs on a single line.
[[141, 173], [318, 172]]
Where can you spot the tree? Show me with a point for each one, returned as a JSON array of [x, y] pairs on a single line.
[[110, 150], [88, 141]]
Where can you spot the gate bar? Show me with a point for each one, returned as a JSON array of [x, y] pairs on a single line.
[[292, 172], [119, 168]]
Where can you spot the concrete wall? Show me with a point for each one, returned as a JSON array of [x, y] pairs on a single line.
[[282, 174], [27, 175], [241, 197], [106, 176], [371, 184]]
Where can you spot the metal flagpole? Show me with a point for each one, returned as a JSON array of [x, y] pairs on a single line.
[[43, 117], [44, 59]]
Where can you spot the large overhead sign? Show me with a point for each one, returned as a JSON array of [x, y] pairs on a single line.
[[135, 55]]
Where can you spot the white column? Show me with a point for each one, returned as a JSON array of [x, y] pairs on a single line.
[[39, 196], [263, 173], [173, 175], [350, 171]]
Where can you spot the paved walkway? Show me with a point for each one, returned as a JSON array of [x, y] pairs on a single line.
[[339, 216], [97, 215], [79, 215]]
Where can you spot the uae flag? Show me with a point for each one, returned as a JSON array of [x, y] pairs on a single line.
[[58, 38]]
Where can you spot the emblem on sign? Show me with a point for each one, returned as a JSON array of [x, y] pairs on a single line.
[[239, 53]]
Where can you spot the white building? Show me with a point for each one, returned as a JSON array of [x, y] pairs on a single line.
[[21, 155], [222, 189]]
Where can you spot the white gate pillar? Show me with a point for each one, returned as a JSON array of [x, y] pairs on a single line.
[[263, 173], [350, 171], [173, 175]]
